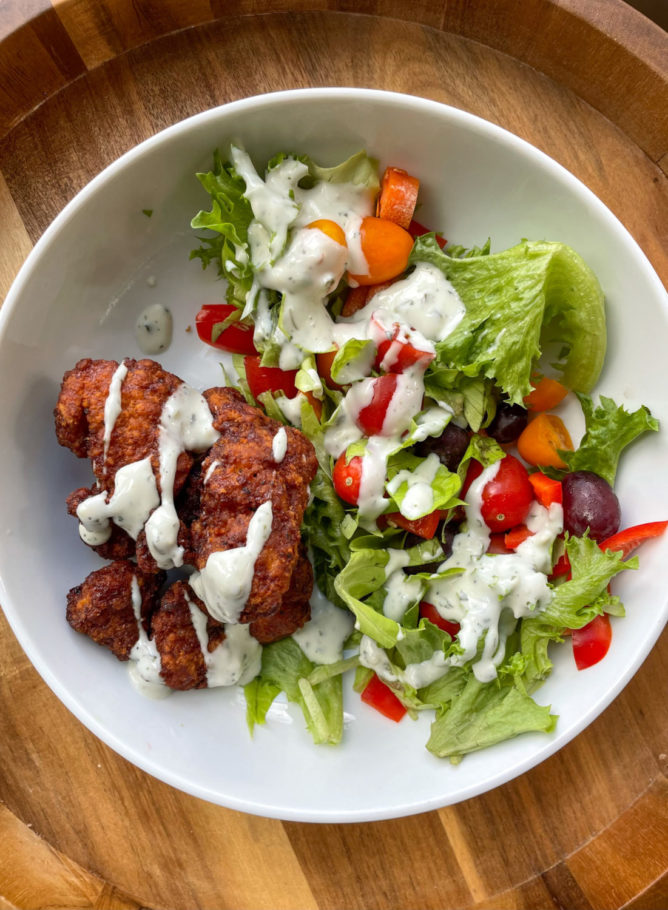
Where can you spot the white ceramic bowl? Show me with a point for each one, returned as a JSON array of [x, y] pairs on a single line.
[[79, 294]]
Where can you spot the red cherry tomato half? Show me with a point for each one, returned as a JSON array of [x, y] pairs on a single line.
[[382, 698], [371, 418], [237, 338], [507, 497], [591, 642], [347, 478], [269, 379], [497, 544], [429, 611]]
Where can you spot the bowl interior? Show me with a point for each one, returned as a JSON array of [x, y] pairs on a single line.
[[79, 294]]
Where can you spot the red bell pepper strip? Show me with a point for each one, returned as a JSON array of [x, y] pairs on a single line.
[[429, 611], [592, 642], [424, 527], [382, 698], [516, 536], [624, 542]]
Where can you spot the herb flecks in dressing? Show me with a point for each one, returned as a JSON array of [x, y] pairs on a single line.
[[153, 329]]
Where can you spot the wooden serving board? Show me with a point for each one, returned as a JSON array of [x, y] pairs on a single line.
[[80, 83]]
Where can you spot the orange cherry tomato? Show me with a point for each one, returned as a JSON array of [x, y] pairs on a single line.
[[540, 441], [324, 363], [547, 394], [386, 248], [330, 228]]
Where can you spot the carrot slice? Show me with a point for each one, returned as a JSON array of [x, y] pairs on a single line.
[[540, 441], [398, 196], [547, 394]]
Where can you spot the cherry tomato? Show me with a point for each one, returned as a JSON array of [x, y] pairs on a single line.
[[497, 544], [473, 470], [386, 248], [269, 379], [507, 497], [591, 642], [347, 478], [237, 338], [382, 698], [429, 611], [330, 228], [371, 418]]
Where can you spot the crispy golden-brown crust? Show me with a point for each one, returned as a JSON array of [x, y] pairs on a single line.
[[79, 416], [119, 546], [182, 664], [101, 607], [245, 476], [295, 607]]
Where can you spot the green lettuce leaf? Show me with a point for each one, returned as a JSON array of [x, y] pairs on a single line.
[[609, 428], [229, 218], [359, 169], [577, 601], [517, 301], [445, 485], [484, 714], [285, 668]]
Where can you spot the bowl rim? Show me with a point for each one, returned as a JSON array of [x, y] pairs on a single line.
[[471, 122]]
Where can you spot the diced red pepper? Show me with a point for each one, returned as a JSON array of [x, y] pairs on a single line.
[[630, 539], [424, 527], [269, 379], [372, 417], [516, 536], [545, 489], [382, 698], [429, 611]]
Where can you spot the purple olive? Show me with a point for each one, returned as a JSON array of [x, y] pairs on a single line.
[[449, 446], [590, 502], [508, 423]]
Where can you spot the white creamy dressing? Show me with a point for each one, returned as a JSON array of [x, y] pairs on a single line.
[[323, 636], [225, 582], [144, 667], [279, 445], [153, 329], [494, 591], [235, 661], [112, 406], [186, 424], [134, 498], [419, 497], [209, 471]]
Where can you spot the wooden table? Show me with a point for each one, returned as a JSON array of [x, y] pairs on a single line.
[[80, 83]]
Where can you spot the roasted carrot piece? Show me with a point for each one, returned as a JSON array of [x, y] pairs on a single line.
[[398, 196], [540, 441]]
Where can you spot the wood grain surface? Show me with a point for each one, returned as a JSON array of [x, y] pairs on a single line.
[[80, 83]]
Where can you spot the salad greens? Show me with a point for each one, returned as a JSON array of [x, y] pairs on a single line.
[[535, 302]]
